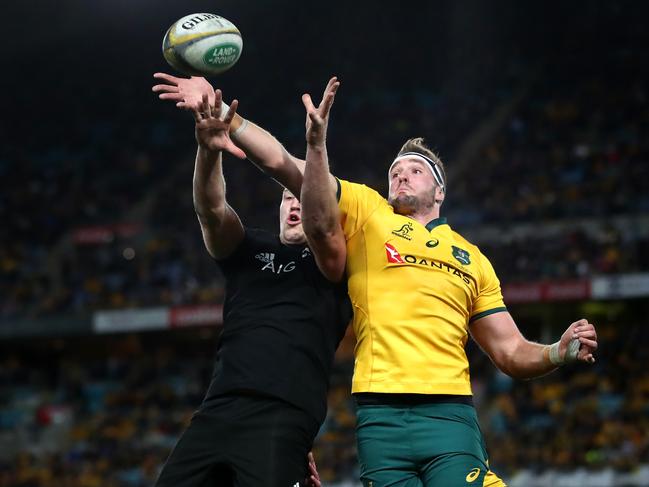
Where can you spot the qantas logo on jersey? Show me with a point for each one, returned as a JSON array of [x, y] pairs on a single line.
[[394, 257], [268, 258], [393, 254]]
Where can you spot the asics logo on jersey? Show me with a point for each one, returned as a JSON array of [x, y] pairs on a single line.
[[393, 254], [433, 242], [472, 475], [306, 251], [404, 231], [265, 257]]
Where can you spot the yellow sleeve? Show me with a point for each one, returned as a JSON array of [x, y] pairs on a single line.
[[490, 297], [356, 202]]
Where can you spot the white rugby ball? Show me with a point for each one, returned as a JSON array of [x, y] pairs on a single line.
[[202, 44]]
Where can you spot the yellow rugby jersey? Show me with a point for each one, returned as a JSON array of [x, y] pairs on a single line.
[[414, 289]]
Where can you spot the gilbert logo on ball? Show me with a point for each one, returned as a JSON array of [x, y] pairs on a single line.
[[202, 44]]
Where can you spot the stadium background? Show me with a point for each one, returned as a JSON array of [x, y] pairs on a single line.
[[109, 305]]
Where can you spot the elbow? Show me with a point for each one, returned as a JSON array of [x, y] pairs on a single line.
[[332, 266], [505, 361], [330, 252], [209, 214], [515, 365], [334, 273]]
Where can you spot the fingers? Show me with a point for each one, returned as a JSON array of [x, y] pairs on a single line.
[[591, 344], [171, 96], [234, 150], [165, 88], [316, 119], [580, 322], [206, 107], [586, 355], [585, 329], [231, 112], [326, 104], [200, 112], [333, 81], [308, 103], [195, 113], [218, 98], [329, 95], [167, 77], [311, 111], [585, 332]]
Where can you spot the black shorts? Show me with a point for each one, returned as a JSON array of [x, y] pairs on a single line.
[[242, 441]]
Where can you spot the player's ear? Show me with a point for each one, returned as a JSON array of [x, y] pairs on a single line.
[[440, 194]]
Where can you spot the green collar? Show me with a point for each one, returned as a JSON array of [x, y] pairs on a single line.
[[435, 223]]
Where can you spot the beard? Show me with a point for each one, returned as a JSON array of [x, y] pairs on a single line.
[[410, 204]]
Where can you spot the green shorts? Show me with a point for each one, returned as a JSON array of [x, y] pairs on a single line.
[[422, 445]]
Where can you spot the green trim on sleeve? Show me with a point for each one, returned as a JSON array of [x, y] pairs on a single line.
[[338, 189], [487, 313]]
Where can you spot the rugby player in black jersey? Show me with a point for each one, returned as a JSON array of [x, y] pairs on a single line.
[[283, 320]]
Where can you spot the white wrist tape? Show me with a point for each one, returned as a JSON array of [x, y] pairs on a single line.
[[241, 128], [570, 355], [224, 109]]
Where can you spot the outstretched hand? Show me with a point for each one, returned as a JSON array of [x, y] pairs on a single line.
[[317, 118], [585, 333], [212, 133], [186, 92]]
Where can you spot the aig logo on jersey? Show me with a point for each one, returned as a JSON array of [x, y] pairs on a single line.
[[268, 259]]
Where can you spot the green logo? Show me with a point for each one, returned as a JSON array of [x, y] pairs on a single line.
[[221, 55], [433, 242], [461, 255], [404, 231]]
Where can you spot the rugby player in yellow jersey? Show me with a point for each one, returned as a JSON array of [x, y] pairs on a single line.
[[418, 290]]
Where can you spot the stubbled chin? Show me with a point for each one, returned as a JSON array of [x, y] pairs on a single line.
[[293, 234], [403, 205]]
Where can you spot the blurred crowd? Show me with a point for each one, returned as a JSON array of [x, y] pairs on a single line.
[[91, 415], [105, 225]]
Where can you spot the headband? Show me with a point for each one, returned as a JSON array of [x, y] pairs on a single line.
[[434, 167]]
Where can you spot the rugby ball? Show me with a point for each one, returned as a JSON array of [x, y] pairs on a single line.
[[202, 44]]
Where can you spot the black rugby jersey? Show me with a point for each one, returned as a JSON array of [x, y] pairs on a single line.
[[282, 323]]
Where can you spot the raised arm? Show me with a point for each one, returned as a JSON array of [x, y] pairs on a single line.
[[264, 150], [320, 214], [222, 230], [498, 335]]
